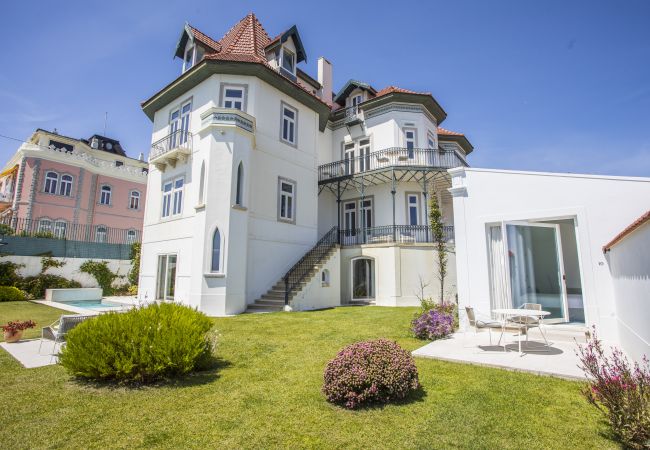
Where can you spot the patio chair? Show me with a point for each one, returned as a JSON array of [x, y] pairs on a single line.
[[524, 323], [479, 325], [57, 331]]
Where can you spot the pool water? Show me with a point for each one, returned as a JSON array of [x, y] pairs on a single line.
[[93, 304]]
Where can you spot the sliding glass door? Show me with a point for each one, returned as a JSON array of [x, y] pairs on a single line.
[[535, 269]]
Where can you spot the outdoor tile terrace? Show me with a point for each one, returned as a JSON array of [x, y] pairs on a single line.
[[394, 157]]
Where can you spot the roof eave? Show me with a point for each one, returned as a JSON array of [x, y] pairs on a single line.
[[206, 68], [460, 140], [403, 97]]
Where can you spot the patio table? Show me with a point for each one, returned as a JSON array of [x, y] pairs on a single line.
[[506, 313]]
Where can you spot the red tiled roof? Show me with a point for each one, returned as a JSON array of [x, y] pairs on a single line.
[[205, 39], [632, 227], [445, 132], [394, 89], [245, 42]]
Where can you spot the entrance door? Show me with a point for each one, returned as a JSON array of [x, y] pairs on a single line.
[[535, 267], [363, 279]]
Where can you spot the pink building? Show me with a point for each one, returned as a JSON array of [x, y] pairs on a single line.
[[76, 189]]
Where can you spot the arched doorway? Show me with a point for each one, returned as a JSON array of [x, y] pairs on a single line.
[[363, 279]]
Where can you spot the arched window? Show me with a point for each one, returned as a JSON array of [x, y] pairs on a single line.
[[60, 227], [44, 226], [215, 265], [131, 236], [100, 234], [325, 278], [134, 200], [202, 185], [51, 180], [66, 185], [105, 195], [239, 189]]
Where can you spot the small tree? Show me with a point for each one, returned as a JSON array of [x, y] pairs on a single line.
[[438, 235]]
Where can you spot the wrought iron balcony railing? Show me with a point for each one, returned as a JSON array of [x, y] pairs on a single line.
[[400, 234], [388, 158], [179, 139]]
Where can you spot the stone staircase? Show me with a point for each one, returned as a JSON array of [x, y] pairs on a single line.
[[298, 276]]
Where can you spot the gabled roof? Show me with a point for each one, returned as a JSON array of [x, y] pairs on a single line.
[[445, 135], [350, 86], [282, 38], [198, 36], [627, 231], [248, 37]]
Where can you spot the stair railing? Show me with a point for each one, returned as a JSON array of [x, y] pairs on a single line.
[[299, 271]]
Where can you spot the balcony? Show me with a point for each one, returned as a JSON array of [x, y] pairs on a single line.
[[387, 234], [390, 158], [176, 146]]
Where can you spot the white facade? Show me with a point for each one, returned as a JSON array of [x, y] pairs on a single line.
[[595, 207], [629, 263]]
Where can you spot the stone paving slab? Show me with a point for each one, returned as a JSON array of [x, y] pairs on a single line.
[[26, 353]]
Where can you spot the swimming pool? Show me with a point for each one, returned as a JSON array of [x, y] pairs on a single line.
[[93, 304]]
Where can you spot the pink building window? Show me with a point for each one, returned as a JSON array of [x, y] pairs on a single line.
[[105, 195], [51, 181], [134, 200]]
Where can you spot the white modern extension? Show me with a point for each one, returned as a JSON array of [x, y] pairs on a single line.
[[266, 191]]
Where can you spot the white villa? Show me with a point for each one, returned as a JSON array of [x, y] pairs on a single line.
[[268, 190]]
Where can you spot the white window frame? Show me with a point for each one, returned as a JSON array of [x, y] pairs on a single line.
[[45, 225], [358, 98], [165, 280], [290, 122], [97, 234], [177, 196], [192, 51], [51, 183], [413, 140], [233, 100], [370, 277], [59, 228], [287, 198], [105, 195], [416, 205], [134, 195], [431, 140], [65, 186], [292, 58], [166, 207], [131, 236], [179, 119]]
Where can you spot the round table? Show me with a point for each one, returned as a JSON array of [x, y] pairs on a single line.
[[506, 313]]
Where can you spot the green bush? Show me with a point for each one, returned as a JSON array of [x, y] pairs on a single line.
[[6, 229], [36, 286], [11, 294], [134, 273], [141, 345], [101, 272], [9, 273]]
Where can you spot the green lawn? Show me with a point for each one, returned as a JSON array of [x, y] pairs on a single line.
[[266, 394]]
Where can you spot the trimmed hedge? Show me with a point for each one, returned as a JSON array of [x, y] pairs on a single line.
[[141, 345], [378, 371], [11, 294]]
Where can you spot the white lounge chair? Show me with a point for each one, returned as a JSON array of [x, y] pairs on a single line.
[[57, 331], [478, 324]]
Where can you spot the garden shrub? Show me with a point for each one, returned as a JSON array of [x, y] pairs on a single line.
[[101, 272], [9, 273], [6, 230], [11, 294], [141, 345], [433, 324], [377, 371], [134, 273], [35, 286], [620, 390]]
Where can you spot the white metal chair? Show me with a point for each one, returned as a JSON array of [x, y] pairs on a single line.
[[478, 324], [57, 331], [524, 323]]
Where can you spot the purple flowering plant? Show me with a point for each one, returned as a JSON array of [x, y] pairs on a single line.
[[377, 371], [436, 321], [619, 389]]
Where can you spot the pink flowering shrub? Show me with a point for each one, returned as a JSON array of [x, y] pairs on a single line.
[[376, 371], [620, 390], [434, 323]]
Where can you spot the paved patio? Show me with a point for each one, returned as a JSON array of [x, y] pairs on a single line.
[[559, 361], [26, 353]]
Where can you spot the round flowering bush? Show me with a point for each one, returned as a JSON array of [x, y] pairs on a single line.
[[433, 324], [376, 371]]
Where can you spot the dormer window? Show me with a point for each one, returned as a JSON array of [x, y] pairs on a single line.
[[357, 99], [288, 62], [188, 61]]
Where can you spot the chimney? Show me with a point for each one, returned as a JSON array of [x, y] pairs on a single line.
[[325, 79]]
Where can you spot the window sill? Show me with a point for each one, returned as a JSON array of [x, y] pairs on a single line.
[[200, 207], [288, 221], [239, 207], [214, 275]]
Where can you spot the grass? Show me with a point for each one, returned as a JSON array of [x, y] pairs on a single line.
[[266, 394]]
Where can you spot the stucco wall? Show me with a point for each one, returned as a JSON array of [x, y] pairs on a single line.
[[601, 206], [316, 294], [629, 263]]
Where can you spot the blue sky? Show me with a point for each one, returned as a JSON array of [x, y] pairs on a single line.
[[535, 85]]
